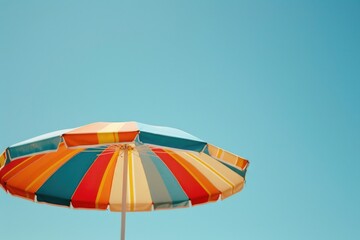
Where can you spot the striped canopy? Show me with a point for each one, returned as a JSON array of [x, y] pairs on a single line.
[[83, 168]]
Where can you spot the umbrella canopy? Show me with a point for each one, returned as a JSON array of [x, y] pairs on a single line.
[[100, 165]]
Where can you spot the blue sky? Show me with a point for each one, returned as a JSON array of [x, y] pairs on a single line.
[[274, 81]]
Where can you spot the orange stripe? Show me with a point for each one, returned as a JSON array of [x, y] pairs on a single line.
[[93, 134], [103, 196], [200, 178], [242, 163], [20, 167], [81, 139], [86, 135], [127, 136]]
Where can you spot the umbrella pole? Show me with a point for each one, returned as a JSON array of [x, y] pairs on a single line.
[[123, 205]]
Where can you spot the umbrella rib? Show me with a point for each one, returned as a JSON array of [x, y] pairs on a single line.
[[123, 202]]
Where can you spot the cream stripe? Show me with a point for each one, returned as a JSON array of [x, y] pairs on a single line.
[[116, 187], [213, 170], [143, 201], [224, 155], [112, 127], [233, 178], [216, 178]]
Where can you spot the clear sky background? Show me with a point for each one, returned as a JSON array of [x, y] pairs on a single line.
[[277, 82]]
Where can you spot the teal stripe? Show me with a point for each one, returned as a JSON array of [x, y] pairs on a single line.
[[206, 150], [7, 157], [173, 142], [35, 147], [60, 187], [165, 190]]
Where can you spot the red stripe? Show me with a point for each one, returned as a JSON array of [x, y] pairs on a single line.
[[192, 188], [85, 194]]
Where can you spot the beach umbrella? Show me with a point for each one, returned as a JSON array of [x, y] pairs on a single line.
[[121, 167]]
